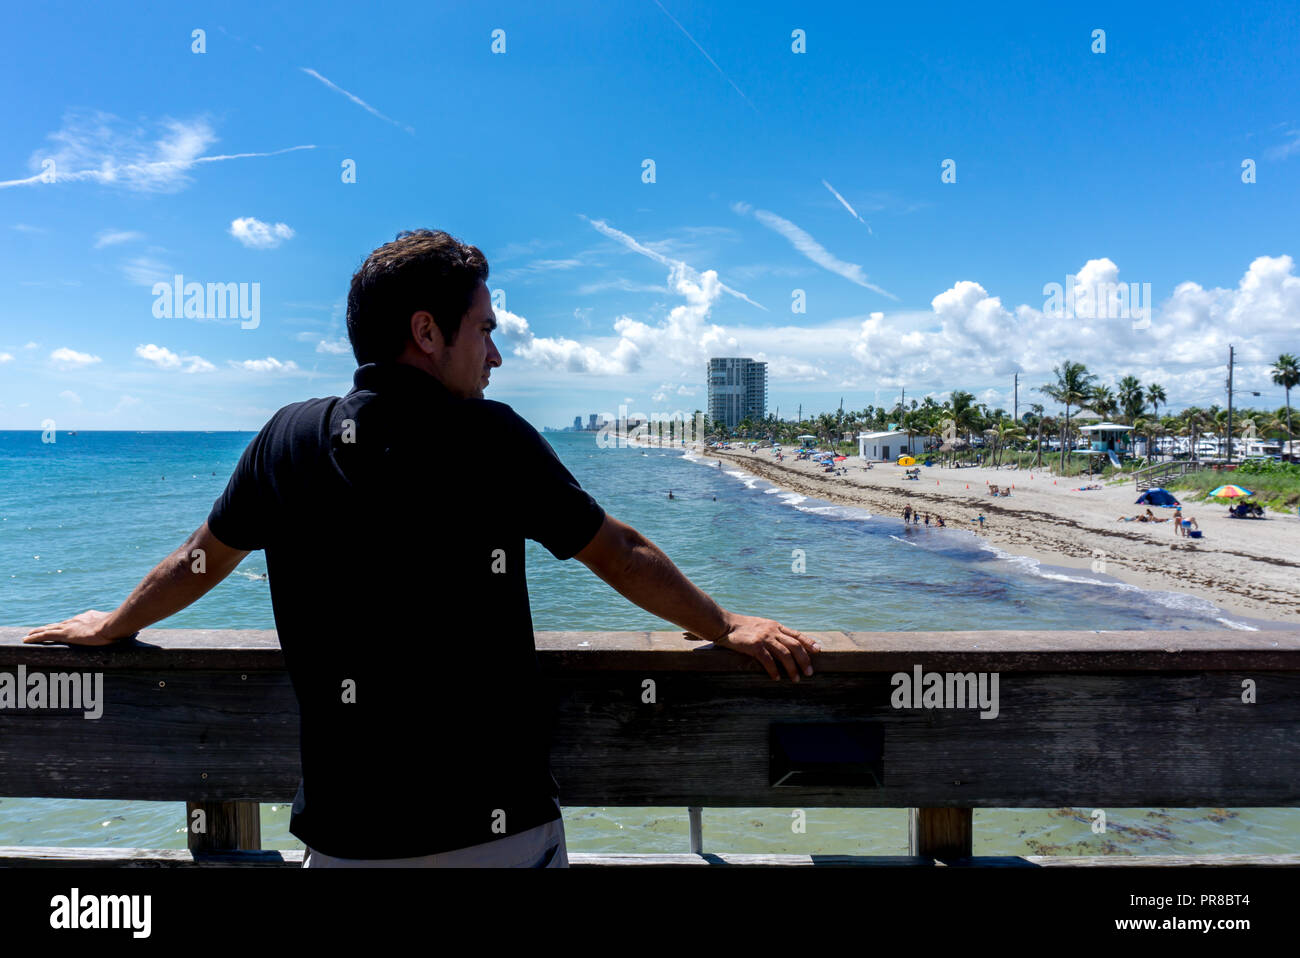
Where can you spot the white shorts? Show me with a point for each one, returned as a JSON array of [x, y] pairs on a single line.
[[540, 847]]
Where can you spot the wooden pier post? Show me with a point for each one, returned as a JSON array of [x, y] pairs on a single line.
[[943, 833], [229, 826]]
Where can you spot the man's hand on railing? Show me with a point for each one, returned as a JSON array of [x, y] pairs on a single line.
[[181, 578], [768, 641], [89, 628]]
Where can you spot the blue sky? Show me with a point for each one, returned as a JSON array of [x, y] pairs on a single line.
[[774, 171]]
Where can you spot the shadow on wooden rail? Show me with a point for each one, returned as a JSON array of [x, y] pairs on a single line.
[[938, 723]]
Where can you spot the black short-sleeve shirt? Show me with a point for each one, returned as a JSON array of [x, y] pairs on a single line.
[[393, 521]]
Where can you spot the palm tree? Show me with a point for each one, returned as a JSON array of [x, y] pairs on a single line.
[[1156, 396], [1286, 373], [1131, 398], [1194, 419], [1102, 402], [1169, 426], [1073, 387], [1036, 412], [1145, 427], [1003, 433], [962, 411], [825, 425]]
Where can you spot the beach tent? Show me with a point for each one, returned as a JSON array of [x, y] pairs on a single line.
[[1157, 497]]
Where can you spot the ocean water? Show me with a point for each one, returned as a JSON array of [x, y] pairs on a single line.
[[83, 519]]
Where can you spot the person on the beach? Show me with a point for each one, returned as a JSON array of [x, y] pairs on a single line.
[[939, 520], [391, 549], [907, 514], [1178, 521], [927, 520]]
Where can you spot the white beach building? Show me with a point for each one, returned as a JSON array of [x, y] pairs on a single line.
[[887, 446]]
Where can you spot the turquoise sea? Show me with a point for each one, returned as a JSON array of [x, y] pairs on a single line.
[[84, 518]]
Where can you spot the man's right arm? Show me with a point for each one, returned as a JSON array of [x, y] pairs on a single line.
[[639, 571]]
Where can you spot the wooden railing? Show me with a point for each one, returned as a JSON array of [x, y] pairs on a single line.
[[1154, 475], [1095, 719]]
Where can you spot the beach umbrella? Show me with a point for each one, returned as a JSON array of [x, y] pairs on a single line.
[[840, 458], [1230, 492], [906, 461]]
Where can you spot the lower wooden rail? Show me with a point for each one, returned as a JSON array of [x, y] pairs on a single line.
[[37, 857]]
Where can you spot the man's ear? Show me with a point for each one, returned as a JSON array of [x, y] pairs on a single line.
[[427, 336]]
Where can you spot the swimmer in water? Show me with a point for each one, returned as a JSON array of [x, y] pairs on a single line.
[[670, 493]]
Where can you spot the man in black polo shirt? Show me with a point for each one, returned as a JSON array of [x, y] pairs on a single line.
[[389, 543]]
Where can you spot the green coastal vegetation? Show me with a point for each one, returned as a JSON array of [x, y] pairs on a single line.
[[967, 431]]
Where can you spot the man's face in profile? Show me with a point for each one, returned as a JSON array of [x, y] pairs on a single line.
[[468, 362]]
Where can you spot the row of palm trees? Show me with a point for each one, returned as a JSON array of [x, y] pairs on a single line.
[[1074, 388]]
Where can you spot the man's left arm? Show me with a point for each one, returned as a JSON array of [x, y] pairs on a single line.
[[179, 580]]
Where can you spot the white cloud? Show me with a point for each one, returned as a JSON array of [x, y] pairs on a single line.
[[335, 347], [620, 284], [813, 250], [70, 396], [164, 358], [845, 204], [145, 271], [6, 357], [355, 99], [71, 358], [268, 365], [32, 345], [99, 147], [255, 234], [636, 247], [1285, 149], [113, 237]]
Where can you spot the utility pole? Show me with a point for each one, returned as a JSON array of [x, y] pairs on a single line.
[[1229, 404], [1015, 415], [801, 412]]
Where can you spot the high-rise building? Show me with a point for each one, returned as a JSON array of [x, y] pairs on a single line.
[[577, 424], [737, 389], [591, 422]]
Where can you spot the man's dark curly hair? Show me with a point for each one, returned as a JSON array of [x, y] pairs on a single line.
[[420, 270]]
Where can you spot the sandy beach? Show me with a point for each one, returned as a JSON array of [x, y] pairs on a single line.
[[1247, 567]]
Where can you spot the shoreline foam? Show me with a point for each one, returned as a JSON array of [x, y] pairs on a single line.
[[1248, 569]]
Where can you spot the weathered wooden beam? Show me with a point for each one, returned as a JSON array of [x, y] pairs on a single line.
[[943, 833], [1123, 740]]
